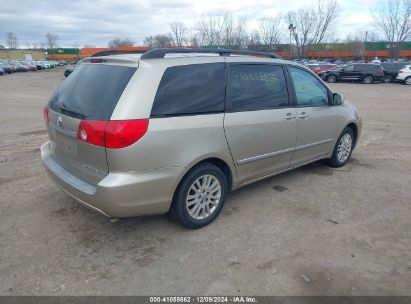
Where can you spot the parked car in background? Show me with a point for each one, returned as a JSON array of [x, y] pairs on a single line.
[[18, 66], [321, 67], [7, 67], [186, 143], [404, 75], [357, 72], [70, 68], [392, 69], [28, 64]]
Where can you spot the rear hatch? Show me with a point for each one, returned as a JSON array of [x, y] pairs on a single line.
[[89, 94]]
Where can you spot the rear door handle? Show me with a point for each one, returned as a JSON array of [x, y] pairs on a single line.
[[290, 116], [303, 115]]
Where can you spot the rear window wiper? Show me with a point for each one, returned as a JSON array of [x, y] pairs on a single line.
[[72, 113]]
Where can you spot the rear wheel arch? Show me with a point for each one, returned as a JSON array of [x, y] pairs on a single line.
[[218, 162]]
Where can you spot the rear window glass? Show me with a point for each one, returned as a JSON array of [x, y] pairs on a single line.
[[91, 91], [191, 89]]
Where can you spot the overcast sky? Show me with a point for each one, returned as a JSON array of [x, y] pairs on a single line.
[[83, 22]]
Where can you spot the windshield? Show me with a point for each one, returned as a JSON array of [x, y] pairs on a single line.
[[91, 91]]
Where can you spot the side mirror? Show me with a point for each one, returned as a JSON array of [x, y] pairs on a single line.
[[338, 99]]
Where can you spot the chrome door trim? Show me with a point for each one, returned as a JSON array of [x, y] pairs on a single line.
[[271, 154], [262, 156], [285, 170], [313, 144]]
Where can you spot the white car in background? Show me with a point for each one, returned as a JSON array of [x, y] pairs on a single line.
[[404, 75]]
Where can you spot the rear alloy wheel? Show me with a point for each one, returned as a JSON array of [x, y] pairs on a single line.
[[200, 196], [332, 79], [408, 80], [388, 79], [342, 149], [368, 79]]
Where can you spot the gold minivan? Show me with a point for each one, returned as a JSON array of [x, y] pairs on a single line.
[[173, 130]]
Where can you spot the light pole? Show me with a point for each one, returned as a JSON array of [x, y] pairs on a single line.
[[291, 28]]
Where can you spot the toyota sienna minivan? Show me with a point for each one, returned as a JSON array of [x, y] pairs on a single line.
[[174, 130]]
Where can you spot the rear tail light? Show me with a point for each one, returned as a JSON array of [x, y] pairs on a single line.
[[46, 114], [98, 60], [400, 72], [380, 72], [112, 134]]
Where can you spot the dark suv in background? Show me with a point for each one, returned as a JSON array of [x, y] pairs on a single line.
[[392, 69], [362, 72]]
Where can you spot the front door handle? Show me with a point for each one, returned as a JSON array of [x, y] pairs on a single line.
[[303, 115], [290, 116]]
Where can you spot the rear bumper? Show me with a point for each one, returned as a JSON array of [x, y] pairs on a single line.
[[119, 194]]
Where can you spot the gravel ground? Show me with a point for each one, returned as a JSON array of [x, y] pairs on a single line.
[[312, 231]]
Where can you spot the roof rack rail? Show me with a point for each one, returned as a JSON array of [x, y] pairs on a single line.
[[117, 52], [161, 52]]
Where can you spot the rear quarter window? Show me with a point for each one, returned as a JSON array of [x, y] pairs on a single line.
[[190, 89]]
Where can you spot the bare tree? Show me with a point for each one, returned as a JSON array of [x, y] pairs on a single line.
[[119, 42], [149, 42], [269, 30], [162, 41], [193, 38], [52, 40], [312, 24], [11, 40], [254, 41], [178, 34], [393, 18], [210, 30], [158, 41], [240, 33]]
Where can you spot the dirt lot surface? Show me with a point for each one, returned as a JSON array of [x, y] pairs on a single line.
[[312, 231]]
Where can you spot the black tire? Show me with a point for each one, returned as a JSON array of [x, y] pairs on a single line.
[[332, 79], [388, 79], [368, 79], [334, 161], [407, 80], [179, 210]]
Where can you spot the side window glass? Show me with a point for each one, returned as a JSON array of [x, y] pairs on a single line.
[[191, 89], [309, 90], [349, 68], [257, 87]]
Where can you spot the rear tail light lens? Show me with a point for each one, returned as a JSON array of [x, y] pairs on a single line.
[[380, 72], [400, 72], [96, 60], [92, 132], [46, 114], [112, 134]]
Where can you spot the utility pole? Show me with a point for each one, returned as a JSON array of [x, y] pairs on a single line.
[[365, 45], [291, 28]]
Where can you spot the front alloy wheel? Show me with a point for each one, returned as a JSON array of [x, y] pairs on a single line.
[[332, 78], [388, 79], [408, 80], [342, 149]]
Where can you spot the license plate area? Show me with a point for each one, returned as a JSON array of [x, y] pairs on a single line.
[[65, 144]]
